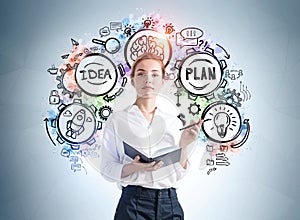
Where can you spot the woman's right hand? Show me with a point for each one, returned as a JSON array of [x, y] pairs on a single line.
[[136, 165]]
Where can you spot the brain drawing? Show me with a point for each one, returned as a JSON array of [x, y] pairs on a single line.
[[147, 44]]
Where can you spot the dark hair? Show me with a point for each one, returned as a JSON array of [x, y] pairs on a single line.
[[146, 56]]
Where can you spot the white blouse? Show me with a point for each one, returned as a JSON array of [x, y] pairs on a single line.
[[161, 136]]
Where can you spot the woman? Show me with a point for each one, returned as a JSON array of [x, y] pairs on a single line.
[[148, 188]]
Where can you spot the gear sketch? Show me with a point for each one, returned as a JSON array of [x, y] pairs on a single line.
[[104, 112], [64, 79], [194, 109], [231, 97]]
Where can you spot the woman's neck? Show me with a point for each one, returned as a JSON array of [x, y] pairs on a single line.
[[147, 107]]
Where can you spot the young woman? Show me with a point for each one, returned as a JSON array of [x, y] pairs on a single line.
[[148, 189]]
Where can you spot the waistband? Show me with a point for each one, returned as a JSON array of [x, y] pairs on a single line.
[[149, 193]]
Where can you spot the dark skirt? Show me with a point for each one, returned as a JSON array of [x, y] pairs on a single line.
[[139, 203]]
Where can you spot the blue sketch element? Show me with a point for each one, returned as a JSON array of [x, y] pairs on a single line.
[[231, 97], [123, 35]]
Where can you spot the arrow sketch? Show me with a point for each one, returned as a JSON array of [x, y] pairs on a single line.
[[46, 122]]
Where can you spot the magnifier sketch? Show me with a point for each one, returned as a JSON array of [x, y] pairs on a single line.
[[112, 45]]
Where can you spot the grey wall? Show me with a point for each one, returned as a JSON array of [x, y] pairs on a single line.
[[261, 183]]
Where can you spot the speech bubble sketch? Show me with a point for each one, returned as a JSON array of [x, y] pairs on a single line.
[[116, 25], [181, 41], [97, 69], [188, 36], [191, 33], [104, 31]]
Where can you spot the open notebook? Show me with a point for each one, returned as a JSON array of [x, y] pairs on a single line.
[[168, 158]]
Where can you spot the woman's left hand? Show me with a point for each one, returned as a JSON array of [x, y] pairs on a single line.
[[190, 134]]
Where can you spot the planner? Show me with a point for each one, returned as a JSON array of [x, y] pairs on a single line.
[[168, 158]]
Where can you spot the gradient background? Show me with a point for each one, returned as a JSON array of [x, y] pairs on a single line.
[[262, 37]]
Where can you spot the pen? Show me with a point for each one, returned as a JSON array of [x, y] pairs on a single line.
[[189, 126]]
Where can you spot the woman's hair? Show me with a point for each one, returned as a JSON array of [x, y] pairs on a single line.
[[146, 56]]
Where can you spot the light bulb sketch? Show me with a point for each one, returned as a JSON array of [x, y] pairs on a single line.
[[197, 67], [129, 29], [221, 122], [148, 23], [169, 28]]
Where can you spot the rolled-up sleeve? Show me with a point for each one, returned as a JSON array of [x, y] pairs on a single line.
[[119, 128], [180, 171]]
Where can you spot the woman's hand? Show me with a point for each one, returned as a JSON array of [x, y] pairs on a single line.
[[136, 165], [187, 137], [190, 134]]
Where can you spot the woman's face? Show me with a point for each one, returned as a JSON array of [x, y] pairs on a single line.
[[148, 78]]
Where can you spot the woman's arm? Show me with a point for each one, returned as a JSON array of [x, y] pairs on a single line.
[[188, 136], [136, 166]]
